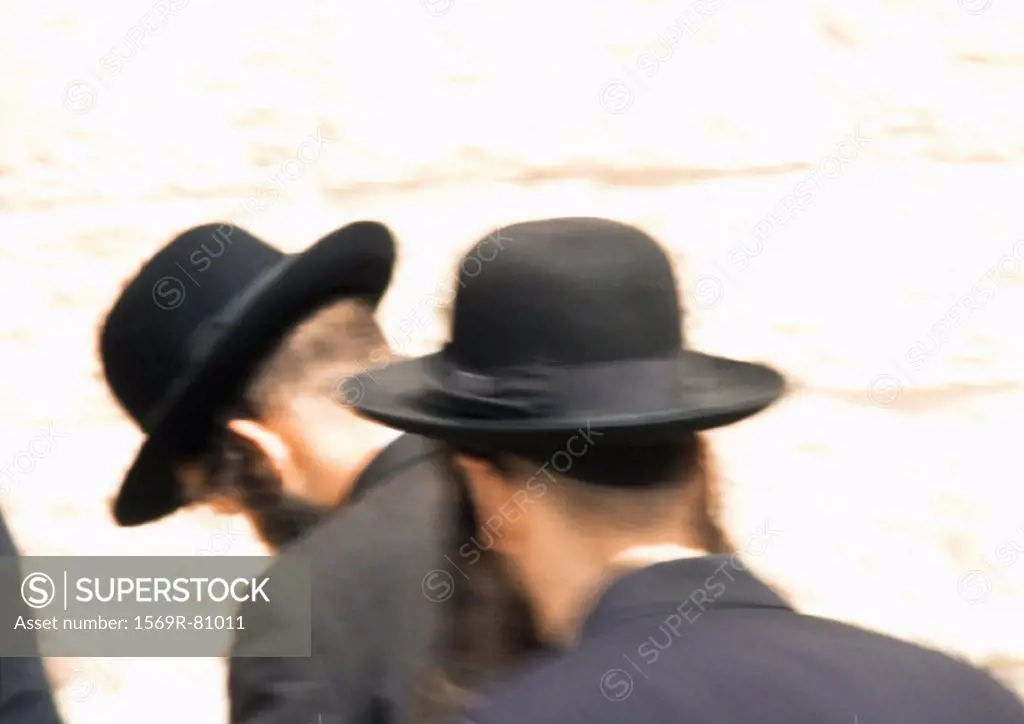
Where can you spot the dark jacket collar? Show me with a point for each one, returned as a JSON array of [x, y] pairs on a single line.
[[690, 586], [404, 451]]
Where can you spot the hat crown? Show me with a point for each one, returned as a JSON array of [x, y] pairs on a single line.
[[567, 291], [146, 340]]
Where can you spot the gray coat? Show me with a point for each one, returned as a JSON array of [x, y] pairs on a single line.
[[24, 689], [372, 624]]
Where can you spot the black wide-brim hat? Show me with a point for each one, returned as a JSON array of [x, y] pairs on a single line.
[[200, 317], [561, 327]]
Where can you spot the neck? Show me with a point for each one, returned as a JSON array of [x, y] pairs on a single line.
[[641, 556], [575, 583], [365, 449], [331, 449]]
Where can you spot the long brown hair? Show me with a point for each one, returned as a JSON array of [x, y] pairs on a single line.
[[487, 623]]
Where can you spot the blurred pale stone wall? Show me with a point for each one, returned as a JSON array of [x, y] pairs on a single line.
[[892, 471]]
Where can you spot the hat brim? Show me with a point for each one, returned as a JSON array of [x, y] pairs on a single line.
[[718, 391], [354, 261]]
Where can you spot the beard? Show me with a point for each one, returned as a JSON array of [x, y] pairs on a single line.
[[236, 471], [280, 519]]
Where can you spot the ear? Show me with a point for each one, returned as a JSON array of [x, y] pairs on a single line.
[[491, 495], [270, 443]]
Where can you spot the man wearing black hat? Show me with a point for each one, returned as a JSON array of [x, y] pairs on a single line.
[[25, 696], [228, 353], [575, 409]]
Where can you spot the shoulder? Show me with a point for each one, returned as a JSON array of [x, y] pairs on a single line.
[[368, 553], [366, 560], [390, 521], [546, 688], [879, 665]]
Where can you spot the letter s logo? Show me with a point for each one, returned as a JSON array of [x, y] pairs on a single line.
[[168, 293]]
